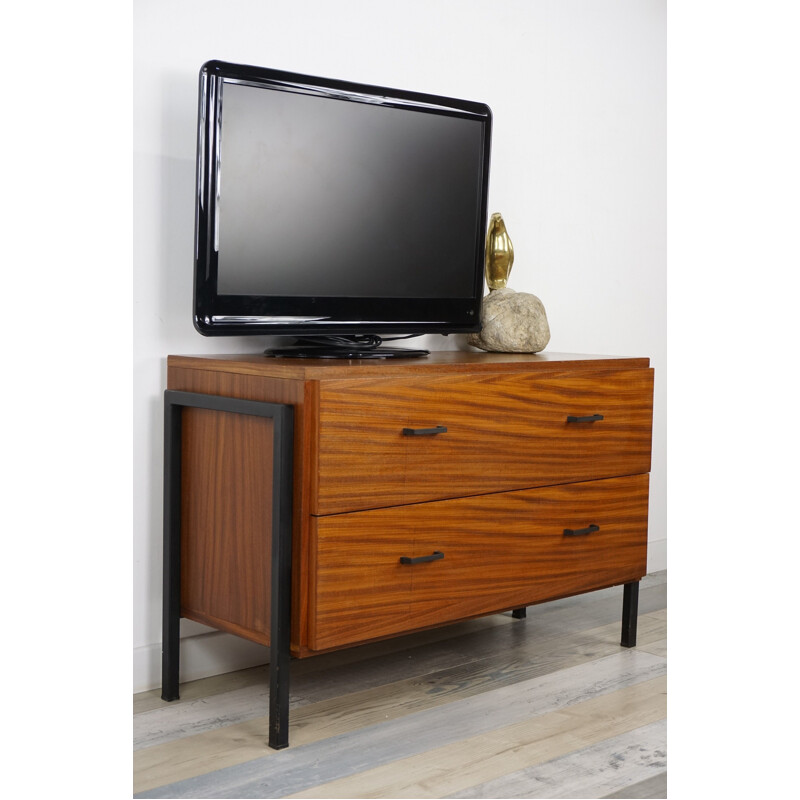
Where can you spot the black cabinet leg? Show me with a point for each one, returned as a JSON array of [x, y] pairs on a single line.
[[279, 658], [520, 613], [171, 619], [630, 613], [281, 584]]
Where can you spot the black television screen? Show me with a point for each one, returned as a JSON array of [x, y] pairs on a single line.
[[332, 208]]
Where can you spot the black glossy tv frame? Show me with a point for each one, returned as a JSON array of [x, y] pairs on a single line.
[[220, 314]]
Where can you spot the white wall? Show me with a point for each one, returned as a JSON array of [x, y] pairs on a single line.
[[578, 91]]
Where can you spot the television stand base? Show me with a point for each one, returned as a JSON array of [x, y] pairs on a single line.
[[345, 347]]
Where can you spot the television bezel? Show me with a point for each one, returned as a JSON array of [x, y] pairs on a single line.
[[237, 315]]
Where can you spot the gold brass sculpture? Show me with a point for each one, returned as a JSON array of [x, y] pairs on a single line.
[[499, 253], [511, 322]]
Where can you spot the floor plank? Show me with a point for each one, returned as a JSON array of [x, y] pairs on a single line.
[[300, 767], [648, 788], [369, 698], [225, 744], [450, 769], [658, 648], [430, 677], [591, 772]]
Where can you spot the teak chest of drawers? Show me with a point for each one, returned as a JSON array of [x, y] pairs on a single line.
[[416, 493]]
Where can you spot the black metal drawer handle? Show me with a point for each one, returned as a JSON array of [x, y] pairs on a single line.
[[434, 556], [424, 431], [581, 531], [590, 418]]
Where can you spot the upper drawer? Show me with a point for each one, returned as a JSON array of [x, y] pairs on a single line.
[[503, 431]]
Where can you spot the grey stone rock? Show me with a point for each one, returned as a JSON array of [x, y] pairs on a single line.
[[513, 322]]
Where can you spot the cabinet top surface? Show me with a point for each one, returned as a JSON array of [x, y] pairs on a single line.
[[437, 361]]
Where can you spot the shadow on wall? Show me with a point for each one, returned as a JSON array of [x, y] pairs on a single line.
[[175, 216]]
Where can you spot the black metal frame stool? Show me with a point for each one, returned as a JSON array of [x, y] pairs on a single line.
[[281, 567]]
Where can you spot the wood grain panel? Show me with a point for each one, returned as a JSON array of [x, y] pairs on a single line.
[[450, 361], [501, 551], [301, 396], [226, 521], [505, 431]]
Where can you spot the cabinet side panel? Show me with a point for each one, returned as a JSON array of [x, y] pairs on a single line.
[[226, 514], [270, 390]]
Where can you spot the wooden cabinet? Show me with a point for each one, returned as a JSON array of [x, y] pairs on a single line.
[[526, 474], [421, 491]]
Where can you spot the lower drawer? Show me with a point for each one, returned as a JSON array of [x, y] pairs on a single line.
[[483, 554]]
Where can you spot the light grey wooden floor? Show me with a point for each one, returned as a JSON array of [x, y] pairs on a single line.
[[550, 706]]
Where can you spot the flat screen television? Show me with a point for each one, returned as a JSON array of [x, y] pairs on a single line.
[[338, 213]]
